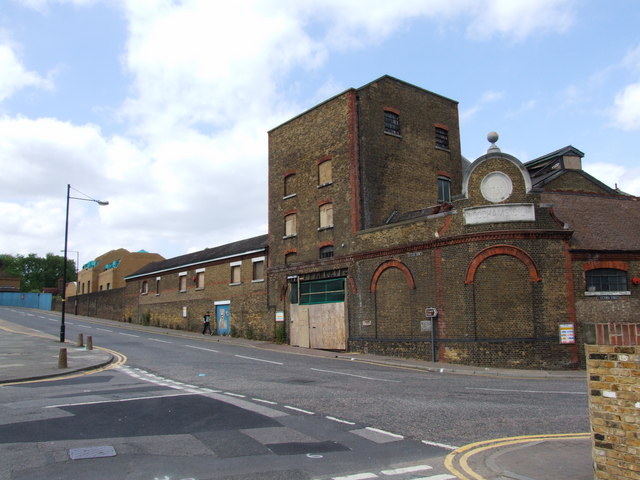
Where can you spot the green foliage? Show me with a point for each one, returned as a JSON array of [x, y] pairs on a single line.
[[37, 272], [281, 333]]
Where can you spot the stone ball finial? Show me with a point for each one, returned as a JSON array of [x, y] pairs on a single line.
[[493, 138]]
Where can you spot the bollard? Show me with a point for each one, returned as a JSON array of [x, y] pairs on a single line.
[[89, 342], [80, 342], [62, 358]]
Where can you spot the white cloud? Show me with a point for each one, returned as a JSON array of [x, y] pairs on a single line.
[[15, 76], [626, 109], [615, 175], [487, 98]]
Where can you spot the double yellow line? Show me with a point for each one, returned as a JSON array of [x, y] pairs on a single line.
[[457, 462]]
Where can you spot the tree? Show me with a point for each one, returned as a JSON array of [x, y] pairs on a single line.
[[37, 272]]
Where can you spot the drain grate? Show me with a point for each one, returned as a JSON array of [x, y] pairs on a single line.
[[92, 452]]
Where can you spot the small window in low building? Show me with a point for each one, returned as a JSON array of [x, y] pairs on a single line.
[[391, 122], [108, 286], [444, 190], [442, 138], [258, 270], [200, 280], [145, 287], [157, 286], [235, 274], [606, 280], [182, 283]]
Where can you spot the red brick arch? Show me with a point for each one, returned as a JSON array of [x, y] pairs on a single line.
[[392, 264], [520, 254]]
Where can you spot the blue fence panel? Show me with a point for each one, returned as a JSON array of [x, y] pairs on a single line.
[[40, 301]]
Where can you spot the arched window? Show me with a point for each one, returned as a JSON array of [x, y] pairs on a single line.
[[606, 280], [326, 215], [290, 185], [290, 225], [326, 251]]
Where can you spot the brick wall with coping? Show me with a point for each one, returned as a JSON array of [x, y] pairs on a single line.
[[613, 367]]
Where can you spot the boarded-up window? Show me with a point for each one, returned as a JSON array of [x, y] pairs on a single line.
[[258, 270], [325, 175], [183, 283], [235, 273], [326, 215], [322, 291], [200, 280], [290, 225], [290, 184]]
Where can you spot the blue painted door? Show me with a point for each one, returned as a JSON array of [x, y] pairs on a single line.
[[222, 319]]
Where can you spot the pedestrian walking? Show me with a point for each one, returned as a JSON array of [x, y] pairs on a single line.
[[207, 323]]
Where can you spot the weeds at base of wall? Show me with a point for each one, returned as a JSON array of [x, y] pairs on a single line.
[[145, 318], [281, 333]]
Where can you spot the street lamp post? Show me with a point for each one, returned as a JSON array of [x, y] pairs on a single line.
[[66, 238]]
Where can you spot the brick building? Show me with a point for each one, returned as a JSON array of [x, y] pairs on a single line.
[[228, 281], [383, 238]]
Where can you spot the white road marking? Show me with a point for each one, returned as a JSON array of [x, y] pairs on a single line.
[[268, 402], [352, 375], [357, 476], [258, 360], [235, 395], [334, 419], [442, 476], [299, 410], [129, 334], [116, 401], [201, 348], [104, 329], [158, 340], [394, 435], [526, 391], [400, 471], [441, 445]]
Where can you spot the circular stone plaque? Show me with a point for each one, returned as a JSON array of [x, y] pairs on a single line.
[[496, 187]]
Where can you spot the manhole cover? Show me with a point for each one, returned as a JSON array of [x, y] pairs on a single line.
[[91, 452]]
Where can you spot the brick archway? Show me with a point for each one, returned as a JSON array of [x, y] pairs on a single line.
[[392, 264], [520, 254]]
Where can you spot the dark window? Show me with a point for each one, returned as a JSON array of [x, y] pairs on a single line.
[[322, 291], [326, 252], [444, 190], [294, 292], [391, 122], [442, 138], [606, 280], [290, 185]]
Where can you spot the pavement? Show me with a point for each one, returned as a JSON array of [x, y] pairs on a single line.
[[28, 355]]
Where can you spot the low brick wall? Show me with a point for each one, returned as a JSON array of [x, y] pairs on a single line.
[[613, 367]]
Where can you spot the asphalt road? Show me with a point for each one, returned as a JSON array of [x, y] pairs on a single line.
[[177, 389]]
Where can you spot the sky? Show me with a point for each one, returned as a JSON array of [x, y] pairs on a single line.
[[163, 107]]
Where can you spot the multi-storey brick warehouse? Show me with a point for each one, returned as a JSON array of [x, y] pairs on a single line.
[[383, 238]]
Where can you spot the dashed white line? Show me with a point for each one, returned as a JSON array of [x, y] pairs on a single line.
[[104, 330], [129, 334], [259, 360], [202, 348], [235, 395], [384, 432], [353, 375], [268, 402], [158, 340], [339, 420], [295, 409]]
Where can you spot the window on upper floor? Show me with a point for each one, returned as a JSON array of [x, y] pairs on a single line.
[[182, 281], [290, 185], [144, 288], [326, 215], [157, 285], [258, 269], [289, 258], [236, 273], [290, 225], [326, 251], [325, 173], [200, 279], [444, 190], [606, 280], [391, 122], [442, 138]]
